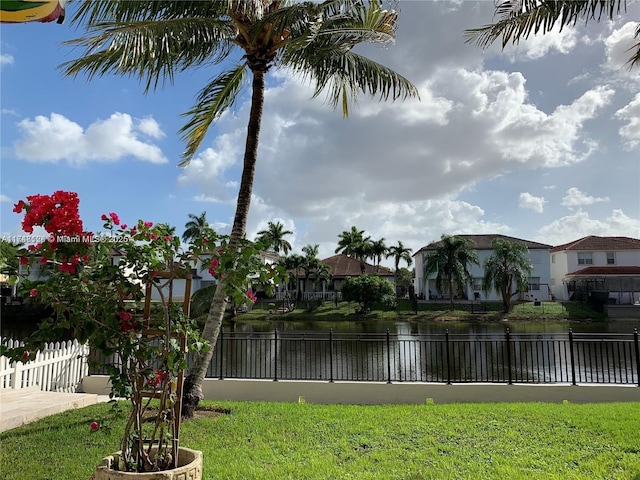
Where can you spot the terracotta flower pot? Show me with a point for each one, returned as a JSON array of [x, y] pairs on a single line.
[[189, 468]]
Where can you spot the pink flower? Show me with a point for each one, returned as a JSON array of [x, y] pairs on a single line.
[[33, 292], [104, 218], [148, 224], [153, 236], [251, 296], [94, 426], [115, 218], [214, 265], [43, 261], [167, 238], [125, 316], [24, 261], [123, 226]]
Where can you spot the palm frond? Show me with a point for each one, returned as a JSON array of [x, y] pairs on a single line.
[[518, 19], [151, 50], [212, 101]]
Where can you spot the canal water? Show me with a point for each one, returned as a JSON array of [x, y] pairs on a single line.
[[405, 327]]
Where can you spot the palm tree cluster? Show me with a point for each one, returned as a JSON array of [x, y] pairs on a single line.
[[354, 244], [506, 270]]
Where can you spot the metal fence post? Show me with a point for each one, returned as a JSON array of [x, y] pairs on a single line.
[[275, 357], [331, 355], [508, 334], [388, 357], [446, 337], [573, 365], [637, 346], [220, 351]]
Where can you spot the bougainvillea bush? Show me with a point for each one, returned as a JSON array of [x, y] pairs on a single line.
[[93, 285]]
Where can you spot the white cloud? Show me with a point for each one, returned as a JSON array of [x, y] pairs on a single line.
[[56, 138], [617, 52], [6, 59], [526, 200], [577, 198], [538, 46], [150, 127], [4, 198], [630, 133], [580, 224]]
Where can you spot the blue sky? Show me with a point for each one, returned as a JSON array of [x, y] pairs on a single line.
[[539, 142]]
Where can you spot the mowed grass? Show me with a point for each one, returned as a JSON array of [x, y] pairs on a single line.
[[304, 441]]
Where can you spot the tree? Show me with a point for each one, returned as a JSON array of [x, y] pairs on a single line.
[[399, 252], [450, 262], [311, 261], [366, 289], [378, 249], [507, 267], [354, 244], [293, 263], [273, 237], [155, 39], [195, 227], [404, 280], [518, 19]]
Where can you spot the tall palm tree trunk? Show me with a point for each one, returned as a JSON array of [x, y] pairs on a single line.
[[192, 393]]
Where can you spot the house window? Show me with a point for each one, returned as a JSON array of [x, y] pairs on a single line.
[[585, 258], [534, 283], [477, 284], [553, 258], [611, 258]]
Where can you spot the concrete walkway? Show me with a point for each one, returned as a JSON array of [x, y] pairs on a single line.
[[22, 406]]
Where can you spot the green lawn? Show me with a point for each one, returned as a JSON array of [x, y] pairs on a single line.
[[328, 311], [303, 441]]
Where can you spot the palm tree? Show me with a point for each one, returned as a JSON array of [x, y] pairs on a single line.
[[399, 252], [273, 237], [155, 39], [195, 227], [354, 244], [507, 267], [518, 19], [311, 261], [450, 262], [378, 250], [294, 263]]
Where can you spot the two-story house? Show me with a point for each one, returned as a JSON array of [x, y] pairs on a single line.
[[538, 255], [597, 264]]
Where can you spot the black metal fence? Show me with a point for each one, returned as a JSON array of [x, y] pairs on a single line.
[[573, 358]]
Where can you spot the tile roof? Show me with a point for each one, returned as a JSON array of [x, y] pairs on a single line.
[[344, 266], [593, 242], [483, 242], [601, 270]]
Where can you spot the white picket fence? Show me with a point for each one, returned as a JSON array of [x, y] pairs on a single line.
[[60, 367]]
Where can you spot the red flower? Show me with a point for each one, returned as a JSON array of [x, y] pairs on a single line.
[[94, 426], [123, 226], [148, 224], [125, 316], [167, 238], [18, 207], [24, 261], [43, 261], [25, 356], [104, 218], [153, 236], [115, 218], [158, 377], [33, 292]]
